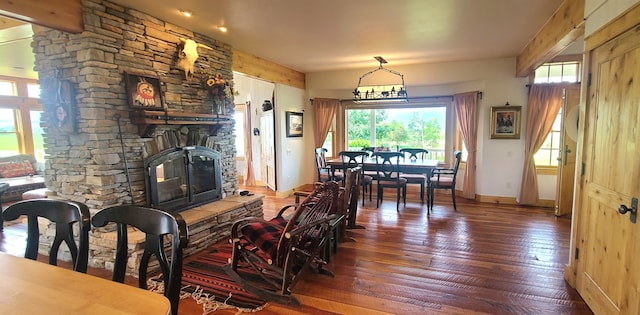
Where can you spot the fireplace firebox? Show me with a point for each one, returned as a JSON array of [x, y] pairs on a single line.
[[182, 178]]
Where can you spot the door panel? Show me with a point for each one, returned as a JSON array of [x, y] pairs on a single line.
[[567, 165], [607, 274], [267, 155]]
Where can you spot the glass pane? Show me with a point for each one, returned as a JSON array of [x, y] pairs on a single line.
[[358, 128], [396, 128], [328, 144], [8, 135], [33, 90], [171, 180], [555, 73], [542, 74], [7, 88], [545, 157], [570, 72], [239, 117]]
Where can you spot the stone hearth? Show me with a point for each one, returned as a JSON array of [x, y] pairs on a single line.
[[207, 224]]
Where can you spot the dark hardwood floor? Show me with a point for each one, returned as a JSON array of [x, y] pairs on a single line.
[[482, 259]]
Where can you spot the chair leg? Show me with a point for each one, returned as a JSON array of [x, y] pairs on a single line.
[[422, 192], [453, 195]]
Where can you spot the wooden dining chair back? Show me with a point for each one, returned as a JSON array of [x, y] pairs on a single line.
[[351, 159], [280, 249], [156, 224], [324, 170], [65, 215], [444, 178], [388, 168], [415, 154]]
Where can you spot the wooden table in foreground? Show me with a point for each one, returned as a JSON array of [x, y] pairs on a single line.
[[32, 287]]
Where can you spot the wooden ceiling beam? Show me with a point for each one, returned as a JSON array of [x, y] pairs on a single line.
[[64, 15], [561, 30], [257, 67]]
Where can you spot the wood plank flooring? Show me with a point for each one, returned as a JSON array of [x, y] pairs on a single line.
[[482, 259]]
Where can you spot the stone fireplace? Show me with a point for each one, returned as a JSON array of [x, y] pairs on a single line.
[[182, 178], [99, 159]]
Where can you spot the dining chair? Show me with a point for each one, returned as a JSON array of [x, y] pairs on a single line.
[[324, 171], [444, 178], [388, 168], [351, 159], [65, 214], [156, 224], [415, 154]]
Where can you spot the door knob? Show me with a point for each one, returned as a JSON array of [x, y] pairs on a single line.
[[623, 209]]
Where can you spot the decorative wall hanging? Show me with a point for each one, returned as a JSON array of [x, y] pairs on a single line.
[[294, 124], [505, 122], [143, 92], [64, 116]]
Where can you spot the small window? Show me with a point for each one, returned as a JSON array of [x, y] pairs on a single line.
[[557, 72], [8, 88], [33, 90]]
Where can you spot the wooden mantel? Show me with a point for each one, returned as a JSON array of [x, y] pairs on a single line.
[[148, 120]]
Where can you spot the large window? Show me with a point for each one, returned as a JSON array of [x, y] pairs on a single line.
[[396, 127], [20, 113]]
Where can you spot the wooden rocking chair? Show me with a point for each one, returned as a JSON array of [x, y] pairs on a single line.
[[282, 248]]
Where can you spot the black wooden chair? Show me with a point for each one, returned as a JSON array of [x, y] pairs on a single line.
[[444, 178], [388, 168], [280, 249], [65, 214], [414, 154], [351, 159], [324, 171], [156, 224]]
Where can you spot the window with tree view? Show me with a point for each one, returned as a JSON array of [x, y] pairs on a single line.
[[396, 128]]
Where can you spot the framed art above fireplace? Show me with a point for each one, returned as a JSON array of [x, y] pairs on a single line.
[[143, 92]]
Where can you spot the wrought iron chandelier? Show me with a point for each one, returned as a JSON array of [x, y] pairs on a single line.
[[381, 93]]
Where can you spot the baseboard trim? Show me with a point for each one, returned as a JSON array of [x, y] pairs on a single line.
[[545, 203]]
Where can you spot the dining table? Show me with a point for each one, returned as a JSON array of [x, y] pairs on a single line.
[[409, 166], [32, 287]]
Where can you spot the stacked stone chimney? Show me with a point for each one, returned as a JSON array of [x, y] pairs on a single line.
[[85, 160]]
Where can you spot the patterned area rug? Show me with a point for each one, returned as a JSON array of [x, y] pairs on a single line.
[[204, 280]]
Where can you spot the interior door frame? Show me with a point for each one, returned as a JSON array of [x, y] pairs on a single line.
[[619, 25]]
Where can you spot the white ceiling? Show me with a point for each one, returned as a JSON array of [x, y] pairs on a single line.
[[310, 36]]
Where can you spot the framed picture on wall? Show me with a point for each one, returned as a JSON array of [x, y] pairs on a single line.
[[505, 122], [143, 92], [294, 124]]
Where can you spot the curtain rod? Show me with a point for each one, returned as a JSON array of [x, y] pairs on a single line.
[[409, 98]]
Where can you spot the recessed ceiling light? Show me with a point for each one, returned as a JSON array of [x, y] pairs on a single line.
[[185, 13], [222, 29]]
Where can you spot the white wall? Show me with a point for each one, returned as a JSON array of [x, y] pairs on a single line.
[[294, 158], [500, 162], [598, 12]]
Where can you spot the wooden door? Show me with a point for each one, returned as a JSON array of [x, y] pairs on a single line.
[[608, 244], [567, 157], [267, 152]]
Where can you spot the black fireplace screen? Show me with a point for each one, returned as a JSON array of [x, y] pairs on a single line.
[[182, 178]]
